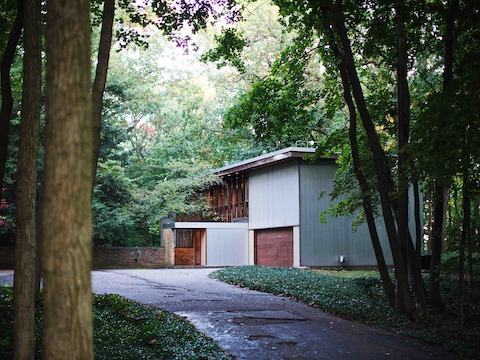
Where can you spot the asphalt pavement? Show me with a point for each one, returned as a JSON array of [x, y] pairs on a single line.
[[254, 325]]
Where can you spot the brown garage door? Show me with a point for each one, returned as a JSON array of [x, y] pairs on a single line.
[[274, 247]]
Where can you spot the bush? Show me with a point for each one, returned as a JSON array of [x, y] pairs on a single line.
[[124, 329]]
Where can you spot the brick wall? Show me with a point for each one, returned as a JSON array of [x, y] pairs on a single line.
[[110, 258], [129, 258]]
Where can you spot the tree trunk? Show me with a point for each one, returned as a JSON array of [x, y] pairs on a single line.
[[461, 248], [403, 121], [67, 190], [26, 191], [380, 163], [419, 284], [439, 203], [366, 197], [430, 219], [437, 239], [98, 87], [470, 250], [7, 99]]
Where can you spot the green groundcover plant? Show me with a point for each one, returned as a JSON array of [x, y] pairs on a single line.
[[124, 329], [359, 296]]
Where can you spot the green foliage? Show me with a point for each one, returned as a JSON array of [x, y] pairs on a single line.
[[8, 11], [284, 106], [124, 329], [129, 330], [6, 324], [180, 193], [161, 138], [230, 46], [450, 263], [114, 209], [359, 296], [356, 297]]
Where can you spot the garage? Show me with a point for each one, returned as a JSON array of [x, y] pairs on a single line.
[[274, 247]]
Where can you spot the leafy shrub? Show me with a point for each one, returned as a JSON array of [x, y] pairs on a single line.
[[124, 329]]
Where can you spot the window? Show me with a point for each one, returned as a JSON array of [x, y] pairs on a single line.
[[184, 238]]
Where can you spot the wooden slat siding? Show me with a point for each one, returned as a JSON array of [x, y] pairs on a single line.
[[229, 200]]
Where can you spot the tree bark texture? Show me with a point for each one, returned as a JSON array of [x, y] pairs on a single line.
[[26, 191], [403, 127], [384, 180], [100, 80], [439, 202], [419, 283], [7, 99], [471, 249], [332, 18], [464, 239], [365, 189], [67, 190]]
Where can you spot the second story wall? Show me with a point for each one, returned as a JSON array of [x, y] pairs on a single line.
[[274, 196], [229, 200]]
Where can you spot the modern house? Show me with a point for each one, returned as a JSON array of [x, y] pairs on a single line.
[[269, 209]]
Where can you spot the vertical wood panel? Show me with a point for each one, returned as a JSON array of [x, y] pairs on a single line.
[[321, 244], [274, 247]]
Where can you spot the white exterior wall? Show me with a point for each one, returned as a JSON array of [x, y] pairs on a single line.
[[227, 247], [274, 196], [224, 244]]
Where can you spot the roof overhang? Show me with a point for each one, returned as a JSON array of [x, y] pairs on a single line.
[[261, 161]]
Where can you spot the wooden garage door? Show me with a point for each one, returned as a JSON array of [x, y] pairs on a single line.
[[274, 247]]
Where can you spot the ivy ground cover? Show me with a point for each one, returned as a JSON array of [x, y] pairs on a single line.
[[359, 296]]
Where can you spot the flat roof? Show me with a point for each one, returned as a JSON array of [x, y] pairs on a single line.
[[266, 159], [210, 225]]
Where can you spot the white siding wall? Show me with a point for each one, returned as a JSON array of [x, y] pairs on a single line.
[[227, 247], [274, 196]]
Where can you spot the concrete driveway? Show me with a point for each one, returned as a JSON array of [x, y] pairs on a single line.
[[255, 325]]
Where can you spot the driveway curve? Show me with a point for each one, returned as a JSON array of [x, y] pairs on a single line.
[[254, 325]]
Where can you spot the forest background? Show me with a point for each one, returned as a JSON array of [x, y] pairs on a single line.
[[296, 71]]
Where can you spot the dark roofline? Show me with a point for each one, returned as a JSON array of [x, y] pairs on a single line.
[[267, 160]]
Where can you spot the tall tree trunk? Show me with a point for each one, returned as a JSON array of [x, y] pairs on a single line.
[[67, 189], [7, 99], [419, 284], [100, 80], [438, 203], [365, 189], [403, 127], [429, 220], [380, 163], [437, 239], [470, 250], [461, 248], [26, 192]]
